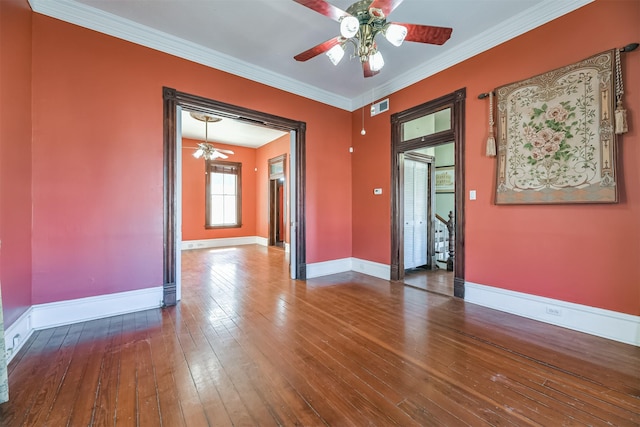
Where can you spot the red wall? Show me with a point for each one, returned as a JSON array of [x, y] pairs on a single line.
[[263, 154], [91, 168], [15, 158], [586, 254], [193, 194], [97, 159]]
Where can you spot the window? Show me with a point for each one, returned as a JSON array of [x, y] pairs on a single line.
[[224, 194], [427, 125]]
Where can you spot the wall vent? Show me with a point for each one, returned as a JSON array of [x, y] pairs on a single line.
[[380, 107]]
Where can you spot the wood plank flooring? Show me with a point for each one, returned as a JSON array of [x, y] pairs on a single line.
[[247, 346], [439, 280]]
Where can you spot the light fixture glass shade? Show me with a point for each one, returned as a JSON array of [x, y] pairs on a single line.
[[395, 34], [199, 152], [349, 26], [376, 62], [335, 54]]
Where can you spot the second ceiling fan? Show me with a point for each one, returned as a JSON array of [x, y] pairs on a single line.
[[360, 24]]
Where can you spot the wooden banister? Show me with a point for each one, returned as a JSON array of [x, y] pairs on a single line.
[[452, 241], [442, 220]]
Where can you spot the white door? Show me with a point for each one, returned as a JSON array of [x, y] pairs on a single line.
[[415, 213]]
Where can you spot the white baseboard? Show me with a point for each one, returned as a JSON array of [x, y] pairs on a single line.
[[216, 243], [229, 241], [325, 268], [83, 309], [591, 320], [381, 271], [17, 334], [375, 269], [43, 316]]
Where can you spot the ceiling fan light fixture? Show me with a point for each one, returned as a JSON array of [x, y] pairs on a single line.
[[395, 34], [335, 54], [376, 62], [198, 153], [349, 26]]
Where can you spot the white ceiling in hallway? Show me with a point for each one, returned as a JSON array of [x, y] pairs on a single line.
[[228, 131]]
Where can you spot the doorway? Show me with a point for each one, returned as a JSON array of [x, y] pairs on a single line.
[[277, 206], [174, 101], [276, 216], [425, 126], [419, 250]]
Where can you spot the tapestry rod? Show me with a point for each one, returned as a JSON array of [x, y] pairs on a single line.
[[628, 48]]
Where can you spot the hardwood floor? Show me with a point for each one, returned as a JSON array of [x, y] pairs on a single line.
[[247, 346], [439, 281]]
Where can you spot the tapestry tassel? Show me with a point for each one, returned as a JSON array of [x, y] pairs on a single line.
[[621, 120], [620, 115], [491, 140]]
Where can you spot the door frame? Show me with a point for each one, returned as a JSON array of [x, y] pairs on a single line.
[[172, 99], [455, 101]]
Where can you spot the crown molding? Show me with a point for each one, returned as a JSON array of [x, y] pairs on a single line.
[[519, 24], [107, 23]]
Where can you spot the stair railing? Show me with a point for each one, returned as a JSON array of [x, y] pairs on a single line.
[[445, 241]]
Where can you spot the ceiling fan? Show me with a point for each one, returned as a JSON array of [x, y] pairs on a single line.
[[360, 24], [205, 149]]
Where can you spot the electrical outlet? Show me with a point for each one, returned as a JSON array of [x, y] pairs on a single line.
[[554, 311]]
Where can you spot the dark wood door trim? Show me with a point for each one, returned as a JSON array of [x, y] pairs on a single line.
[[456, 101], [171, 100]]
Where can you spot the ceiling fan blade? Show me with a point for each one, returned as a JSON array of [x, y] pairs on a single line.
[[220, 155], [368, 72], [387, 6], [317, 50], [224, 151], [426, 33], [324, 8]]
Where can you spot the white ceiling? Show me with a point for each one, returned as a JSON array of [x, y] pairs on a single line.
[[228, 131], [257, 39]]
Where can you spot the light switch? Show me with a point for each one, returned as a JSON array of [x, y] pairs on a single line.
[[472, 194], [377, 191]]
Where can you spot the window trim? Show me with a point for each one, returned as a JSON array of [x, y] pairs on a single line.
[[210, 166]]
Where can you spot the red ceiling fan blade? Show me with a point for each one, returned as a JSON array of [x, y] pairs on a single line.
[[317, 50], [324, 8], [368, 72], [387, 6], [426, 33]]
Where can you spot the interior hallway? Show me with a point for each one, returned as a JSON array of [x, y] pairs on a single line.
[[248, 346]]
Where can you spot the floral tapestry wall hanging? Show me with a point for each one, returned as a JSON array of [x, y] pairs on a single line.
[[556, 141]]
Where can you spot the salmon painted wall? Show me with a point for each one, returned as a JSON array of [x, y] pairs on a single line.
[[193, 194], [15, 158], [585, 254], [263, 154], [97, 159]]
